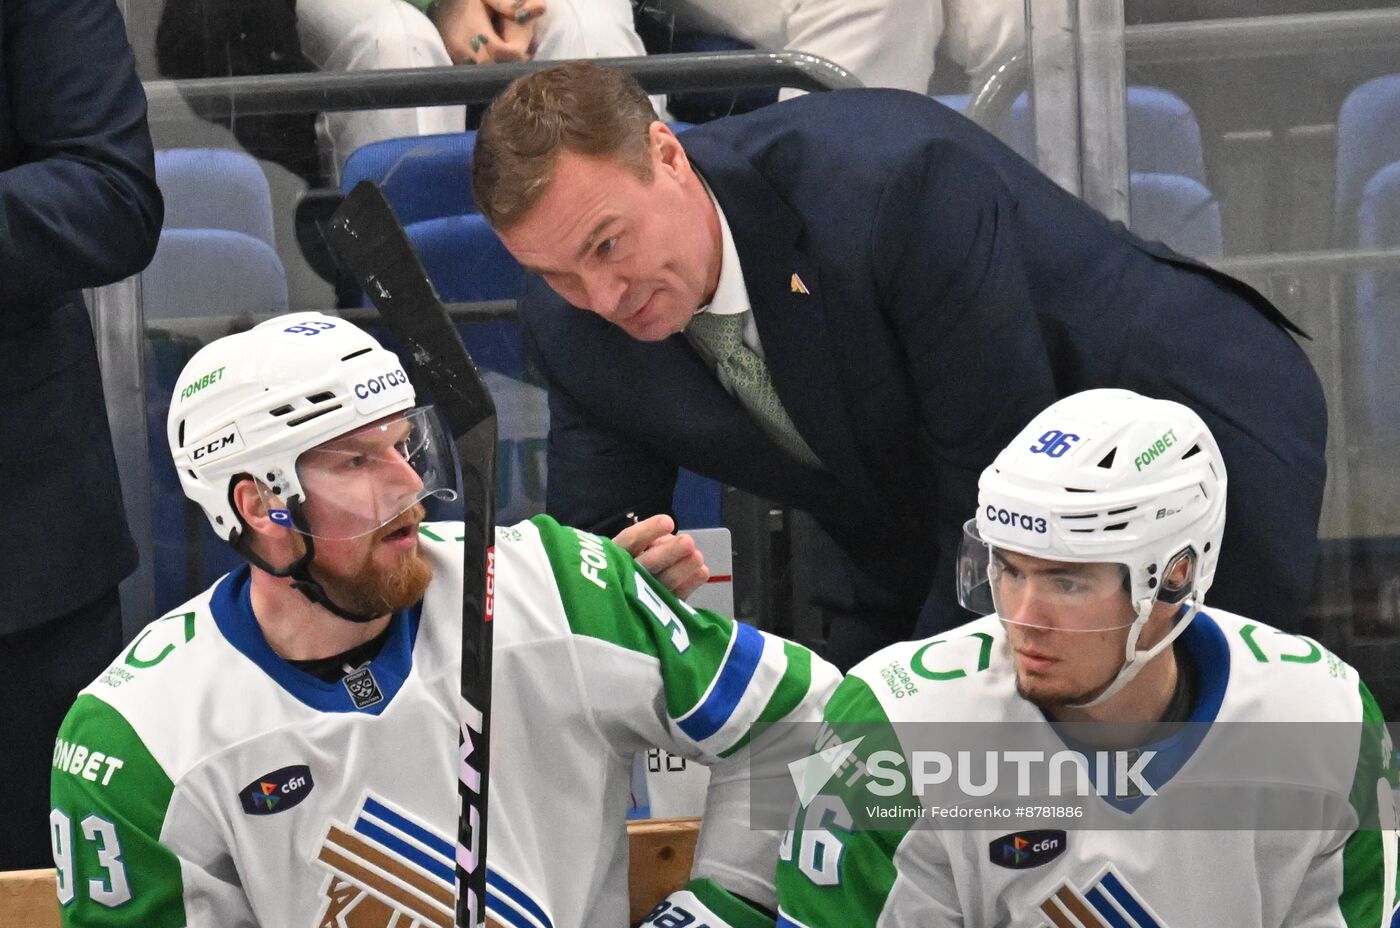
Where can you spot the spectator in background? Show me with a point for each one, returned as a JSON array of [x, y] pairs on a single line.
[[359, 35], [885, 43], [81, 209]]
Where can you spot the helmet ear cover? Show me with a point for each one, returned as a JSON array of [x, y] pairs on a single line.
[[1171, 592]]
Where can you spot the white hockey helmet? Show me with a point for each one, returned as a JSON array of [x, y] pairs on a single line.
[[1105, 477], [255, 402]]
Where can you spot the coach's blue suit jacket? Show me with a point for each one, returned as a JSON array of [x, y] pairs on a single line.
[[79, 208], [953, 292]]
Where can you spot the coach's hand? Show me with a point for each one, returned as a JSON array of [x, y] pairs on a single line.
[[669, 557]]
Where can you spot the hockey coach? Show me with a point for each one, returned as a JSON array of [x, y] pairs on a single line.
[[281, 750], [848, 303]]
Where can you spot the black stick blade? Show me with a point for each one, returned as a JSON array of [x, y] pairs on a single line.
[[372, 246]]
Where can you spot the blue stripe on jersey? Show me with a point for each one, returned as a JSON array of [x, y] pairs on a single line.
[[1210, 653], [495, 881], [1124, 897], [710, 716], [434, 842], [498, 907], [405, 850], [1099, 901], [784, 921], [233, 614]]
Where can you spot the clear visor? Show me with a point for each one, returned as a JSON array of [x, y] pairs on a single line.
[[363, 480], [1040, 593]]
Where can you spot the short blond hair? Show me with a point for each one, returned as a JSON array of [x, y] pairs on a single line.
[[576, 106]]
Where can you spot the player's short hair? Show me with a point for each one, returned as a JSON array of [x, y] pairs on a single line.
[[576, 106]]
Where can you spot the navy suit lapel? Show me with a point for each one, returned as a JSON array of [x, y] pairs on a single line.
[[792, 325]]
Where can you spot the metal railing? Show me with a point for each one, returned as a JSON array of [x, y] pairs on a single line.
[[1264, 37], [217, 97]]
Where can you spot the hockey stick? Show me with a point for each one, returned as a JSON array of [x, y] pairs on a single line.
[[372, 245]]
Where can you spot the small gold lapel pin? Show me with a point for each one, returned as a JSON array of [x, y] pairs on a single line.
[[799, 287]]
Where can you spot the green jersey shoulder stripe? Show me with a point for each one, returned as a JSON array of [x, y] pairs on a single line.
[[110, 799], [1369, 857], [718, 675], [829, 871]]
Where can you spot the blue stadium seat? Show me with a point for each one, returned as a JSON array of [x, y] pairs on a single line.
[[1163, 134], [214, 188], [1378, 305], [1177, 211], [465, 260], [1368, 139], [424, 177], [217, 251], [203, 272], [1168, 197]]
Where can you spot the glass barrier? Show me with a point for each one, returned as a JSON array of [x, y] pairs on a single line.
[[251, 172], [1268, 146], [1265, 144]]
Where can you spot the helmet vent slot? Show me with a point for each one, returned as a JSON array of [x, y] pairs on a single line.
[[1116, 512], [180, 434], [280, 410], [312, 415], [1107, 462], [320, 397], [1115, 527], [356, 354], [1195, 449], [1082, 531], [1076, 490], [1085, 515]]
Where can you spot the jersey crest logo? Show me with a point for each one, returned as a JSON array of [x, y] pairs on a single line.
[[1107, 902], [363, 688], [386, 870]]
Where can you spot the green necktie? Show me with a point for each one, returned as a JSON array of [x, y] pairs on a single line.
[[721, 337]]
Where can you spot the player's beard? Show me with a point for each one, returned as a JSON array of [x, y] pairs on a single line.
[[372, 589]]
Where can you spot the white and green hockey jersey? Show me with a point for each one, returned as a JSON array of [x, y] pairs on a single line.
[[203, 781], [1145, 871]]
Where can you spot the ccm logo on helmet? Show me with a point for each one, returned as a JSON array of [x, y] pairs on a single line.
[[1015, 519], [216, 446], [381, 383]]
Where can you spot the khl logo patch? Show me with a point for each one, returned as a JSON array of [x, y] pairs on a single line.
[[363, 689]]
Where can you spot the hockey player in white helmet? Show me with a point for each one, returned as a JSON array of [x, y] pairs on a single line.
[[1091, 555], [281, 750]]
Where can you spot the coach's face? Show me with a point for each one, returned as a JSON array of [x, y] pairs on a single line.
[[643, 254]]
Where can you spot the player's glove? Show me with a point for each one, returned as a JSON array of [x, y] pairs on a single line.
[[706, 904]]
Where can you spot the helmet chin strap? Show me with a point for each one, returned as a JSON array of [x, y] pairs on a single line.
[[300, 570], [1134, 660]]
